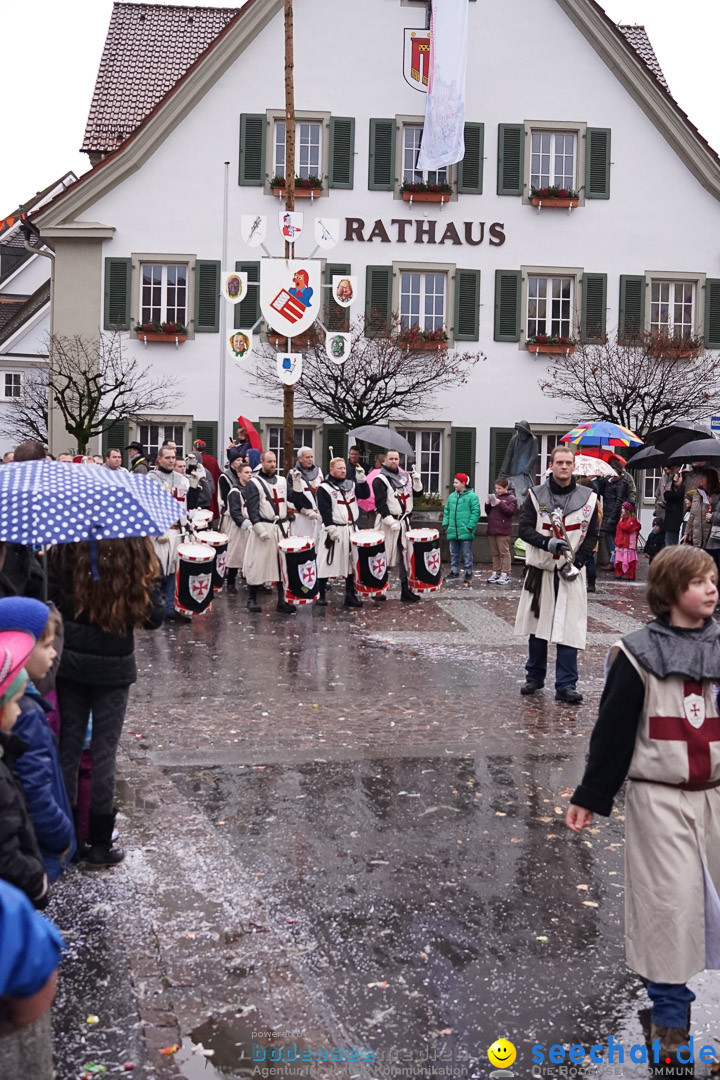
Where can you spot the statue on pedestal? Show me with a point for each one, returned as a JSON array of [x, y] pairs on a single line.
[[520, 461]]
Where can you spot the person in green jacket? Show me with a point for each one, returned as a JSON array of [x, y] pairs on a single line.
[[460, 516]]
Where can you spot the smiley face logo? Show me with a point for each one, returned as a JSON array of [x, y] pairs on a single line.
[[502, 1054]]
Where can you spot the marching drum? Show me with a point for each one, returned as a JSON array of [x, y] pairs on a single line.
[[219, 541], [193, 581], [298, 569], [200, 518], [370, 568], [423, 560]]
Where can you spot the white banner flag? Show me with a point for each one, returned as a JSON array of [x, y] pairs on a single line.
[[443, 140]]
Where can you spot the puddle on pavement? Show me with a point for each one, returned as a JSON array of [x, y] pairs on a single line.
[[434, 901], [232, 1044]]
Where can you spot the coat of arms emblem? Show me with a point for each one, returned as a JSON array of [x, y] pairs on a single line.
[[416, 58]]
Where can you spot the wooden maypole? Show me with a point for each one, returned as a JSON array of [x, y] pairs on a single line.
[[289, 391]]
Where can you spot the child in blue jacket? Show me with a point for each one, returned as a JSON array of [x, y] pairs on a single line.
[[38, 768]]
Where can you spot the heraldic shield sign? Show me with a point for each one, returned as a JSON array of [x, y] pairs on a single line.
[[289, 367], [416, 58], [290, 294], [337, 347]]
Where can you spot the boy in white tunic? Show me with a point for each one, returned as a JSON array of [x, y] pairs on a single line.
[[659, 726]]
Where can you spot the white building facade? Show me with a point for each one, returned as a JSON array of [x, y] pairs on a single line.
[[557, 95]]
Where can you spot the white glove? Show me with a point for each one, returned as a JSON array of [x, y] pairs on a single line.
[[392, 524], [296, 479], [312, 514], [334, 535], [262, 529], [360, 476], [246, 525]]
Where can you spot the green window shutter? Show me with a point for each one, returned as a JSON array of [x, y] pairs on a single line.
[[382, 155], [467, 305], [632, 307], [378, 299], [499, 442], [207, 296], [247, 312], [336, 317], [342, 152], [594, 307], [334, 435], [252, 149], [118, 273], [462, 452], [511, 159], [508, 296], [117, 437], [597, 163], [207, 430], [712, 313], [470, 169]]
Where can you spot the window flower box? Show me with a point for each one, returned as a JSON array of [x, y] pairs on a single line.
[[428, 193], [560, 198], [550, 345], [174, 333], [306, 187], [422, 340], [675, 348], [301, 341]]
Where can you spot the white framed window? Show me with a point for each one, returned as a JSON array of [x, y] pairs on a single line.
[[152, 436], [546, 444], [423, 300], [550, 306], [672, 308], [12, 384], [553, 159], [304, 436], [427, 446], [308, 148], [163, 293], [652, 478], [412, 138]]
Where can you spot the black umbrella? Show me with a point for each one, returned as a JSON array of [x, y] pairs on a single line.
[[648, 458], [671, 438], [698, 450], [382, 436]]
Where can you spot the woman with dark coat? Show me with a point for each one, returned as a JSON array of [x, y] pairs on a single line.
[[104, 595]]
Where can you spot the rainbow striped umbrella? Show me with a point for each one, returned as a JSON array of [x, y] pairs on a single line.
[[601, 433]]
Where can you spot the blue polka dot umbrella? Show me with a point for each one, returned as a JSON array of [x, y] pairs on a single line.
[[52, 502]]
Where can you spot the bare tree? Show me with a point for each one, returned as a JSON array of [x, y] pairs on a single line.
[[644, 384], [26, 416], [94, 385], [383, 376]]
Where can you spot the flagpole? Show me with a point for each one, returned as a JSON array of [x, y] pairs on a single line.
[[289, 391], [222, 373]]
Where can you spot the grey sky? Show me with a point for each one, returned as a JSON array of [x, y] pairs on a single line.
[[48, 87]]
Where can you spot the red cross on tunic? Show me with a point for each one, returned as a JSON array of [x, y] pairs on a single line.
[[679, 729], [276, 500]]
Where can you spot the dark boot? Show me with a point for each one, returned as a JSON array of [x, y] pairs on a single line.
[[102, 853], [351, 599], [252, 604], [322, 598], [282, 605], [408, 597]]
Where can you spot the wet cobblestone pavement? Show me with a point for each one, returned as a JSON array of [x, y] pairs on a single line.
[[349, 825]]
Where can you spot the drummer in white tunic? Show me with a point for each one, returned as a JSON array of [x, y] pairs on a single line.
[[393, 491], [659, 726], [166, 546], [266, 500], [337, 499], [234, 521], [305, 479]]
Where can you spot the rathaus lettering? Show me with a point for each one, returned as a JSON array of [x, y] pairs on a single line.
[[423, 231]]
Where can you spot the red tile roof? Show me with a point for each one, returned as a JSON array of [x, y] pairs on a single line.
[[148, 48], [638, 38]]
